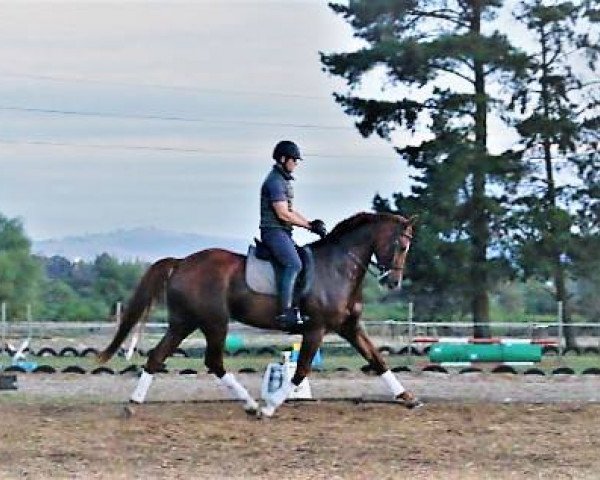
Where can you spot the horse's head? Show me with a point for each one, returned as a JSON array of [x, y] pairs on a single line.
[[391, 250]]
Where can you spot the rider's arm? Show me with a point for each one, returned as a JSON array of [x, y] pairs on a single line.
[[290, 216]]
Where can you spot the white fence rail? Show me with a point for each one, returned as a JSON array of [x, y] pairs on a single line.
[[405, 332]]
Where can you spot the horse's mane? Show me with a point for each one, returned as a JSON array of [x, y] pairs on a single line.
[[356, 221]]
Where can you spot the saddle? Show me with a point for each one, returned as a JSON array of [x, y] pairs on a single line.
[[261, 274]]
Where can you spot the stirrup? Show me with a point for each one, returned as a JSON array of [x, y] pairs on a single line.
[[292, 321]]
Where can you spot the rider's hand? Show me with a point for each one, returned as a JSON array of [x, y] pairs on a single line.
[[318, 227]]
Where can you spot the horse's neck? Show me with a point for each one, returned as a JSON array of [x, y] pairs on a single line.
[[343, 263], [360, 242], [353, 246]]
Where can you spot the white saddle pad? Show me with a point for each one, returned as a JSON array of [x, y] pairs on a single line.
[[260, 274]]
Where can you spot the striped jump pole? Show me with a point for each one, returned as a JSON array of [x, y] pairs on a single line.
[[492, 340], [410, 332], [464, 351]]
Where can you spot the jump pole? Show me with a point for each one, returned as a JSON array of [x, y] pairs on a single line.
[[20, 353], [410, 331], [136, 334], [135, 338]]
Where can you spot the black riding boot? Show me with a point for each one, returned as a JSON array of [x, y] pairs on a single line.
[[289, 319]]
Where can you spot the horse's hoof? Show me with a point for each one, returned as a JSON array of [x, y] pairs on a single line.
[[409, 401], [266, 412], [251, 408], [252, 412], [414, 404], [128, 411]]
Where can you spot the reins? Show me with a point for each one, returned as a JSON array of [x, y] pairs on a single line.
[[382, 270]]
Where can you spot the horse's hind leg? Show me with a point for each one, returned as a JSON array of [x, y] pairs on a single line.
[[174, 335], [213, 359], [359, 339]]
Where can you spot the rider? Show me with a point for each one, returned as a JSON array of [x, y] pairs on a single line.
[[277, 219]]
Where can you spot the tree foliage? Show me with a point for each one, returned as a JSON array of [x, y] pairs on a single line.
[[86, 290], [559, 103], [19, 272], [441, 48]]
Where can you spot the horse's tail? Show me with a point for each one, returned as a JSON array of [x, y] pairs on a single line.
[[150, 287]]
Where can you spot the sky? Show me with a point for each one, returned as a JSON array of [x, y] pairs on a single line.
[[117, 115]]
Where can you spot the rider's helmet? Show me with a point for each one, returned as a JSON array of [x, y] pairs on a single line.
[[287, 149]]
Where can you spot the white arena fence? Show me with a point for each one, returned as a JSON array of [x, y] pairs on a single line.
[[404, 336], [391, 335]]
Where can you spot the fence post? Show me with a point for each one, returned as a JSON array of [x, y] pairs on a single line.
[[29, 322], [560, 313], [3, 315], [118, 312], [410, 331]]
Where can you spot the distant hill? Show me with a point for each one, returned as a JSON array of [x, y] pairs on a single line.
[[148, 244]]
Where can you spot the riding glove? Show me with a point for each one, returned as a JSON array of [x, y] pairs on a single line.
[[318, 227]]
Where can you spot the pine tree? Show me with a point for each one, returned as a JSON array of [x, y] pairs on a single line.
[[440, 48], [559, 104]]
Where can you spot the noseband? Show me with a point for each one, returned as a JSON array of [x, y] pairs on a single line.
[[384, 270]]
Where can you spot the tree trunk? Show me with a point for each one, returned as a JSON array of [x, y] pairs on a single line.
[[562, 295], [479, 228], [559, 274]]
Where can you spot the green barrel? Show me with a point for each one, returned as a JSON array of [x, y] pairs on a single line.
[[233, 343], [522, 352], [488, 352]]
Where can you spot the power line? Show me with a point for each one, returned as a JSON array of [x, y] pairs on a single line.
[[104, 146], [205, 151], [185, 88], [170, 118]]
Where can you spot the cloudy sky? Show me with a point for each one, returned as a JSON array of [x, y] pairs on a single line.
[[128, 114]]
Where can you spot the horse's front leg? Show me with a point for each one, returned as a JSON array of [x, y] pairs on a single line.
[[359, 339], [311, 341]]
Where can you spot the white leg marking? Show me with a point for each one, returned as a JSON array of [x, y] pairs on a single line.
[[237, 391], [139, 394], [392, 383]]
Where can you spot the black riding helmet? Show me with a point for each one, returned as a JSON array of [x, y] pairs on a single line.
[[286, 149]]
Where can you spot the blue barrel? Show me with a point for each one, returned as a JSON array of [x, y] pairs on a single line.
[[317, 361]]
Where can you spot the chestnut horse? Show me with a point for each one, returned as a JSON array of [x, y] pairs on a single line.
[[208, 288]]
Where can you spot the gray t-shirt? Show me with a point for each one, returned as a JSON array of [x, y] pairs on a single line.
[[277, 187]]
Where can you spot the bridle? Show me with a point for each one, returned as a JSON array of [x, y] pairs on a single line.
[[385, 270]]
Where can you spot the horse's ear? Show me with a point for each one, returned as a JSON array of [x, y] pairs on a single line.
[[413, 219]]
